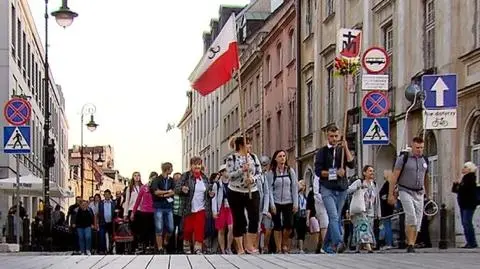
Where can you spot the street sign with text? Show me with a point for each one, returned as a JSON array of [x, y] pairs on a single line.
[[375, 82], [440, 91], [436, 119]]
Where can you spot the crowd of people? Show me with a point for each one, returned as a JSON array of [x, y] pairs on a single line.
[[251, 198]]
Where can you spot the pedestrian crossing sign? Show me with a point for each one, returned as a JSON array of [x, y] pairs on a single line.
[[16, 139], [376, 131]]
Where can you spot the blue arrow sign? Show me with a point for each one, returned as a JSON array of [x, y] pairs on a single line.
[[440, 91], [16, 139], [376, 131]]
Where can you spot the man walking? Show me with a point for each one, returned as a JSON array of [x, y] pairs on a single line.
[[330, 168], [411, 175]]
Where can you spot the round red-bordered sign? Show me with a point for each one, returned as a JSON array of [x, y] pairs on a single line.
[[375, 104], [375, 60], [17, 111]]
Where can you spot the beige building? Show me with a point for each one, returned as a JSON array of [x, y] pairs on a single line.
[[421, 37], [22, 74]]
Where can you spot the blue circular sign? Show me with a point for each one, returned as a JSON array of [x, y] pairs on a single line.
[[375, 104]]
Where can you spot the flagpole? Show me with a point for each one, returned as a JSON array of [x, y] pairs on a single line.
[[345, 117], [242, 124]]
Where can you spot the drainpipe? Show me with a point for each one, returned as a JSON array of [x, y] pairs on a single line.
[[298, 64]]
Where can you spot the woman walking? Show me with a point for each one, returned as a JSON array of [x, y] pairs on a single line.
[[284, 194], [302, 216], [243, 194], [467, 201], [194, 188], [364, 207], [222, 212], [145, 219], [131, 197], [84, 222]]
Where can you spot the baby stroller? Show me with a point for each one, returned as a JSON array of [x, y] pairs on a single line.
[[122, 236]]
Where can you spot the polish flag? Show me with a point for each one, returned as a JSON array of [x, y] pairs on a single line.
[[219, 62]]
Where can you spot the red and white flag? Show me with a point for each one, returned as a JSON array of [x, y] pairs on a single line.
[[219, 62]]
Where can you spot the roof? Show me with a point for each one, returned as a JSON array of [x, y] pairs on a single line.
[[187, 113]]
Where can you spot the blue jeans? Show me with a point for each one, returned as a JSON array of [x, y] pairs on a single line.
[[388, 233], [84, 239], [467, 223], [163, 218], [334, 202]]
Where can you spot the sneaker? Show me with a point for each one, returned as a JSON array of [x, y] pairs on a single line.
[[386, 248], [410, 249], [228, 252], [89, 253], [301, 252], [341, 248]]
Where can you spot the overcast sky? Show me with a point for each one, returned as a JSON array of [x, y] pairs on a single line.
[[132, 60]]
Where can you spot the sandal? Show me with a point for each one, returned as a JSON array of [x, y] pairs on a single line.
[[252, 252]]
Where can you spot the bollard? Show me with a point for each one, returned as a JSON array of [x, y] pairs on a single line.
[[443, 243]]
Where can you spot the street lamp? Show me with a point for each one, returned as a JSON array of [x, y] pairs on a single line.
[[48, 154], [64, 16], [99, 162], [87, 109]]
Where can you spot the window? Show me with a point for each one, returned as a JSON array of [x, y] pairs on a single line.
[[280, 127], [19, 42], [429, 34], [268, 68], [24, 54], [330, 7], [268, 144], [259, 89], [331, 94], [291, 40], [216, 112], [251, 94], [309, 107], [13, 29], [388, 45], [29, 65], [308, 18], [279, 57]]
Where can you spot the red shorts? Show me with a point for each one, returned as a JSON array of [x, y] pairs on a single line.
[[224, 218], [194, 226]]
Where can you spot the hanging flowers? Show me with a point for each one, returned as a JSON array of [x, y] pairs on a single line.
[[346, 66]]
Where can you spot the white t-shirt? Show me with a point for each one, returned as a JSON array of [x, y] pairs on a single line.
[[198, 201]]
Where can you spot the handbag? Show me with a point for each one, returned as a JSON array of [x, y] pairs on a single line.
[[357, 204]]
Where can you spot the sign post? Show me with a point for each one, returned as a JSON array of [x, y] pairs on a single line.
[[441, 100], [16, 140]]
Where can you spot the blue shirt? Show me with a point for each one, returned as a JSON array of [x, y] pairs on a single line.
[[107, 210]]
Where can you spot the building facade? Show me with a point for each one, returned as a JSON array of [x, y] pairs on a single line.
[[415, 42], [99, 171], [185, 126], [22, 74], [279, 81], [204, 128]]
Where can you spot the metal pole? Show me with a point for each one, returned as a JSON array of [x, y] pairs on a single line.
[[46, 129], [93, 172], [17, 161], [82, 172], [298, 63]]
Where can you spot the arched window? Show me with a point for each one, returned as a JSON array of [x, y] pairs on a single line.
[[475, 143], [431, 152]]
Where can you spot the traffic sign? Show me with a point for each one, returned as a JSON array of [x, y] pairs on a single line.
[[375, 104], [375, 82], [16, 139], [375, 60], [440, 91], [436, 119], [349, 42], [17, 111], [376, 131]]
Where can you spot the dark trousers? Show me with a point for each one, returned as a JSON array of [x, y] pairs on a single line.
[[176, 246], [104, 229], [238, 202], [146, 228]]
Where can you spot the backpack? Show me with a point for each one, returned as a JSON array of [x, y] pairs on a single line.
[[405, 156], [275, 176]]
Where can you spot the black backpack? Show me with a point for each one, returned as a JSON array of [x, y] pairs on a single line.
[[405, 156]]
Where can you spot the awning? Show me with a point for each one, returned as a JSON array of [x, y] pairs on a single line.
[[32, 185]]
